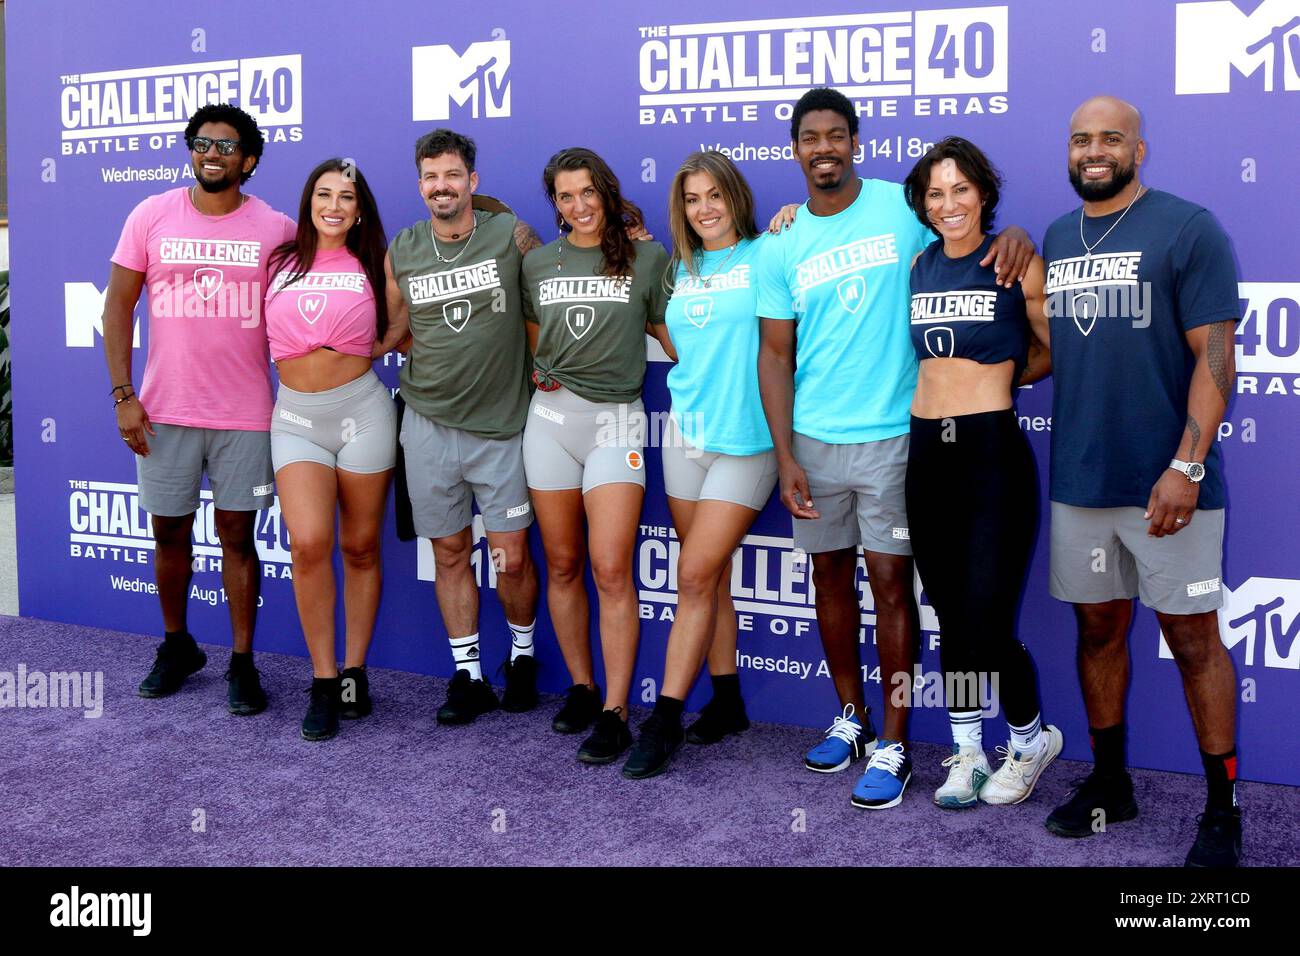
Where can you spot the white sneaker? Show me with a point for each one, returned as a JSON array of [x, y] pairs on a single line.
[[968, 769], [1015, 779]]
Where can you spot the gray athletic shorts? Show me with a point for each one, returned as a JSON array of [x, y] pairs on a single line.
[[692, 474], [859, 492], [570, 442], [352, 427], [238, 464], [1105, 554], [447, 469]]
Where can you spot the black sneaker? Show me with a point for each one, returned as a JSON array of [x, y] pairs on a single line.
[[1218, 839], [354, 694], [581, 705], [1112, 795], [608, 739], [244, 694], [521, 685], [322, 720], [717, 719], [467, 699], [176, 661], [649, 758]]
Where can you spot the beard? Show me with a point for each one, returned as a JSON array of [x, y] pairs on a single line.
[[452, 212], [1101, 191], [216, 185]]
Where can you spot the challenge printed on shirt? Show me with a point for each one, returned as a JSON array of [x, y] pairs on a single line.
[[1081, 272], [584, 289], [209, 252], [846, 260], [322, 282], [735, 278], [971, 306], [453, 283]]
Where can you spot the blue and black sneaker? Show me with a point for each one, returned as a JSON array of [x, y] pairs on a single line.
[[846, 740], [885, 779]]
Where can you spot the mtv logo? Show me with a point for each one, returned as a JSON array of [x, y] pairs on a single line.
[[1260, 611], [478, 78], [1215, 38], [83, 316]]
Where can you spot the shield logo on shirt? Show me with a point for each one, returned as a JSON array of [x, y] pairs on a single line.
[[579, 319], [939, 341], [1084, 307], [852, 291], [311, 306], [456, 314], [207, 281], [698, 310]]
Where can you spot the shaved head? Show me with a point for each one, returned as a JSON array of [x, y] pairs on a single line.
[[1107, 112]]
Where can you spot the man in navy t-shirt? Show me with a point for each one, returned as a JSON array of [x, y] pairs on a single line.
[[1142, 299]]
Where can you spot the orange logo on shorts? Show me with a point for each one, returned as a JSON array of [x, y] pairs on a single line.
[[634, 460]]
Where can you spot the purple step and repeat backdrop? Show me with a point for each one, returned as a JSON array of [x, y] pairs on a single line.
[[97, 105]]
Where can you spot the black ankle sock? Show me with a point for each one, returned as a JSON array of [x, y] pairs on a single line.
[[1220, 779], [1108, 745], [669, 708], [177, 637], [726, 687], [241, 661]]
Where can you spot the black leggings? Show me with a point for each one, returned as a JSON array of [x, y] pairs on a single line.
[[972, 506]]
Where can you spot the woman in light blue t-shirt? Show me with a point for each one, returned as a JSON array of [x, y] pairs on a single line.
[[719, 467]]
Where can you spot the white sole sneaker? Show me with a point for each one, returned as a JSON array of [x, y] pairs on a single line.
[[1052, 743]]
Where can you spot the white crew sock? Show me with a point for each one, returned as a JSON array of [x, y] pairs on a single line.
[[1027, 738], [464, 651], [967, 728], [522, 643]]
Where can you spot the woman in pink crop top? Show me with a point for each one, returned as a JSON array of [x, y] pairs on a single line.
[[333, 430]]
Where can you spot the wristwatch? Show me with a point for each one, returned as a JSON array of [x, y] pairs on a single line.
[[1194, 470]]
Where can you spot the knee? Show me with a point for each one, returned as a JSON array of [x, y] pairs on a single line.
[[310, 550], [696, 578], [612, 576], [360, 552], [1193, 647], [173, 532], [564, 567], [236, 533], [451, 556], [512, 562], [833, 570], [1101, 630]]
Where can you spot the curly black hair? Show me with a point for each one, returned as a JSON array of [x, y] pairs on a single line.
[[251, 140], [823, 98]]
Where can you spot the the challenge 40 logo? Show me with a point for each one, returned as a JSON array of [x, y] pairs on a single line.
[[943, 62], [1217, 39], [1268, 339], [1262, 616], [117, 111]]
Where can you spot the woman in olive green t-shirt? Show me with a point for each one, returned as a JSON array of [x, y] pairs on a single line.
[[590, 298]]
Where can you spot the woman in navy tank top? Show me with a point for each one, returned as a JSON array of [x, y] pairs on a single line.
[[972, 486]]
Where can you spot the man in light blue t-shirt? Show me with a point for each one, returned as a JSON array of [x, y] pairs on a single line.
[[838, 405]]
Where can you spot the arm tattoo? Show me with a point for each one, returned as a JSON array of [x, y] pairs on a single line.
[[1195, 429], [1216, 355], [526, 237]]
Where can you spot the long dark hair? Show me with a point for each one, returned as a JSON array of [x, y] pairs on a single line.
[[620, 213], [365, 240]]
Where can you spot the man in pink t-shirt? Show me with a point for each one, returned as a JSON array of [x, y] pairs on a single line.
[[205, 400]]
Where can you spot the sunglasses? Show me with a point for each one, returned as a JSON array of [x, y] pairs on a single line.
[[201, 144]]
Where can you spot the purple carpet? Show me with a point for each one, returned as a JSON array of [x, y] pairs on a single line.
[[398, 789]]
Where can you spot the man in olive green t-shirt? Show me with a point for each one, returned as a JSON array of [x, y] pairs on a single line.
[[466, 388]]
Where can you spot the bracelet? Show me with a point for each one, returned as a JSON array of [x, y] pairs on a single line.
[[119, 387], [125, 398]]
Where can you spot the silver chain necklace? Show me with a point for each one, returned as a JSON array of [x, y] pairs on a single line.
[[704, 283], [1087, 249], [437, 253]]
